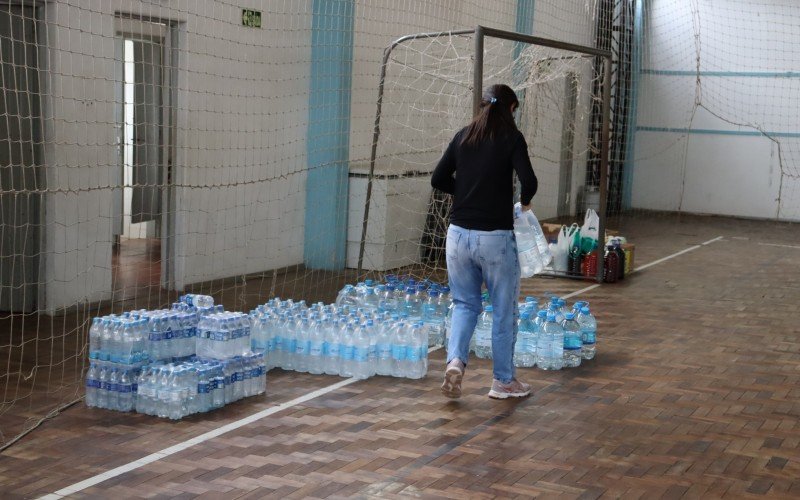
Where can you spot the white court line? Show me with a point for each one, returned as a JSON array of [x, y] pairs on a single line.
[[777, 245], [122, 469], [685, 250]]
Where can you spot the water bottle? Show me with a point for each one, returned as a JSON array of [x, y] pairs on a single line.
[[483, 334], [125, 391], [332, 347], [218, 387], [95, 334], [412, 304], [383, 348], [555, 308], [400, 341], [176, 399], [92, 386], [316, 347], [550, 351], [525, 349], [144, 393], [417, 352], [361, 359], [572, 341], [388, 298], [347, 296], [302, 327], [370, 300], [530, 261], [198, 300], [154, 339], [290, 342], [433, 318], [113, 390], [588, 326], [347, 350]]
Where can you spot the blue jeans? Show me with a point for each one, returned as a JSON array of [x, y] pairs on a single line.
[[474, 258]]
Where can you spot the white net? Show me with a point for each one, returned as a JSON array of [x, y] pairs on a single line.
[[151, 148], [427, 98]]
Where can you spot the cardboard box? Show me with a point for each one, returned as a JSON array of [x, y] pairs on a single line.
[[551, 231], [629, 249]]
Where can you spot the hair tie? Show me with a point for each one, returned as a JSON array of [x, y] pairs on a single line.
[[493, 100]]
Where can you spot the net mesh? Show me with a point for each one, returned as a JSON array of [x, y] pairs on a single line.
[[151, 148]]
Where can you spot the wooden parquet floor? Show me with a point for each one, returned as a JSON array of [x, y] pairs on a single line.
[[694, 393]]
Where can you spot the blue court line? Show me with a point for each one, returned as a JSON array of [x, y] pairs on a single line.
[[739, 74], [707, 131]]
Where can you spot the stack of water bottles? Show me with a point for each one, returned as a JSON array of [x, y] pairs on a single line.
[[372, 329], [145, 360], [118, 349], [550, 338], [197, 385]]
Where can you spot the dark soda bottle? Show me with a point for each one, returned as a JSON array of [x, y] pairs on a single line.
[[610, 265], [621, 253]]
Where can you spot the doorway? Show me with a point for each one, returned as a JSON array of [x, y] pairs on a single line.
[[21, 176], [143, 96]]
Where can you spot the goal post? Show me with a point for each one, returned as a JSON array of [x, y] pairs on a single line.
[[465, 104]]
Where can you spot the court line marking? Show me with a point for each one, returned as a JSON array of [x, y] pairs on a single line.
[[685, 250], [659, 261], [154, 457], [777, 245]]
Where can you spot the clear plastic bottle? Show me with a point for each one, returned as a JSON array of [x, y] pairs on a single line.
[[530, 262], [400, 341], [347, 350], [550, 351], [417, 352], [332, 347], [483, 334], [412, 304], [433, 316], [92, 385], [383, 348], [142, 393], [316, 346], [361, 360], [572, 341], [95, 334], [113, 390], [302, 327], [105, 339], [125, 391], [525, 349], [588, 325], [347, 296]]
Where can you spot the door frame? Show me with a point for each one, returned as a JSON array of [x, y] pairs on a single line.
[[167, 32]]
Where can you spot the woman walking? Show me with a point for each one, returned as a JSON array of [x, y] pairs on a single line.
[[478, 170]]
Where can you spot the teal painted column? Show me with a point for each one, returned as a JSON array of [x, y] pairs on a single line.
[[328, 139], [636, 74], [524, 25]]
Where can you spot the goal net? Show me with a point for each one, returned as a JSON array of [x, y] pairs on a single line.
[[427, 96]]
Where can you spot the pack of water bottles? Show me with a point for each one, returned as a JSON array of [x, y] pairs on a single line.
[[119, 339], [343, 340], [111, 385], [223, 335], [198, 385], [424, 301], [550, 338]]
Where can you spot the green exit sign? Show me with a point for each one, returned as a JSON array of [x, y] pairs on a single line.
[[251, 18]]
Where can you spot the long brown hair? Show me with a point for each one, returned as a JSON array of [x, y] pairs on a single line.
[[494, 118]]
